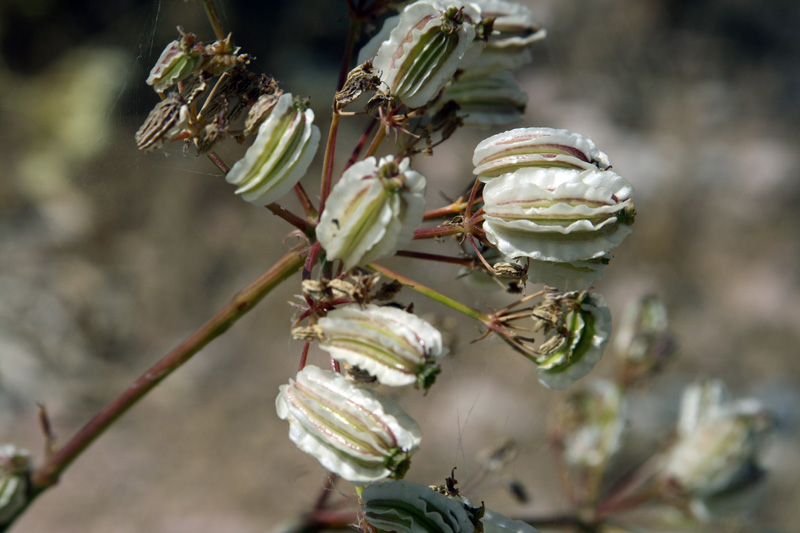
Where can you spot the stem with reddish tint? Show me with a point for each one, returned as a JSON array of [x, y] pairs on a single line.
[[50, 471]]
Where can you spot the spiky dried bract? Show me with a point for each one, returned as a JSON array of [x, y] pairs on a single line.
[[393, 345], [588, 425], [351, 431], [279, 157], [514, 31], [402, 507], [487, 99], [716, 451], [581, 337], [372, 211], [418, 51], [14, 466], [536, 147], [164, 122]]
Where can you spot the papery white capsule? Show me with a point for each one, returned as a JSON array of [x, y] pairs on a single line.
[[589, 423], [402, 507], [514, 30], [372, 211], [587, 326], [279, 157], [393, 345], [487, 99], [556, 214], [418, 51], [718, 442], [535, 147], [352, 431], [14, 466]]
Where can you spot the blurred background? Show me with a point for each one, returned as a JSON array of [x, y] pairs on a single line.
[[110, 257]]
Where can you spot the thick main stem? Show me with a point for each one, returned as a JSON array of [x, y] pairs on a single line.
[[48, 473]]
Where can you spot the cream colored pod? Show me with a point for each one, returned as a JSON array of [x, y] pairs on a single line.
[[536, 147], [395, 346], [556, 214], [514, 31], [585, 332], [718, 442], [418, 51], [351, 431], [14, 466], [282, 152], [372, 211]]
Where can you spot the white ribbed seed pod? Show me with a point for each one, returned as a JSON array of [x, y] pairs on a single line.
[[418, 51], [281, 154], [535, 147], [354, 432], [555, 214], [372, 211], [393, 345]]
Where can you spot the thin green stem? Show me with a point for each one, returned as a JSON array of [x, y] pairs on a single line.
[[213, 18], [433, 294], [305, 201], [50, 471], [376, 142]]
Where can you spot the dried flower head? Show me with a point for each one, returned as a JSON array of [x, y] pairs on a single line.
[[372, 211], [393, 345], [351, 431]]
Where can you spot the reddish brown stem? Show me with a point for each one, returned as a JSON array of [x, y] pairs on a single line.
[[291, 218], [48, 473], [463, 261], [439, 231]]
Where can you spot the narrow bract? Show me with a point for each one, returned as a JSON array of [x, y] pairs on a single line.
[[351, 431]]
